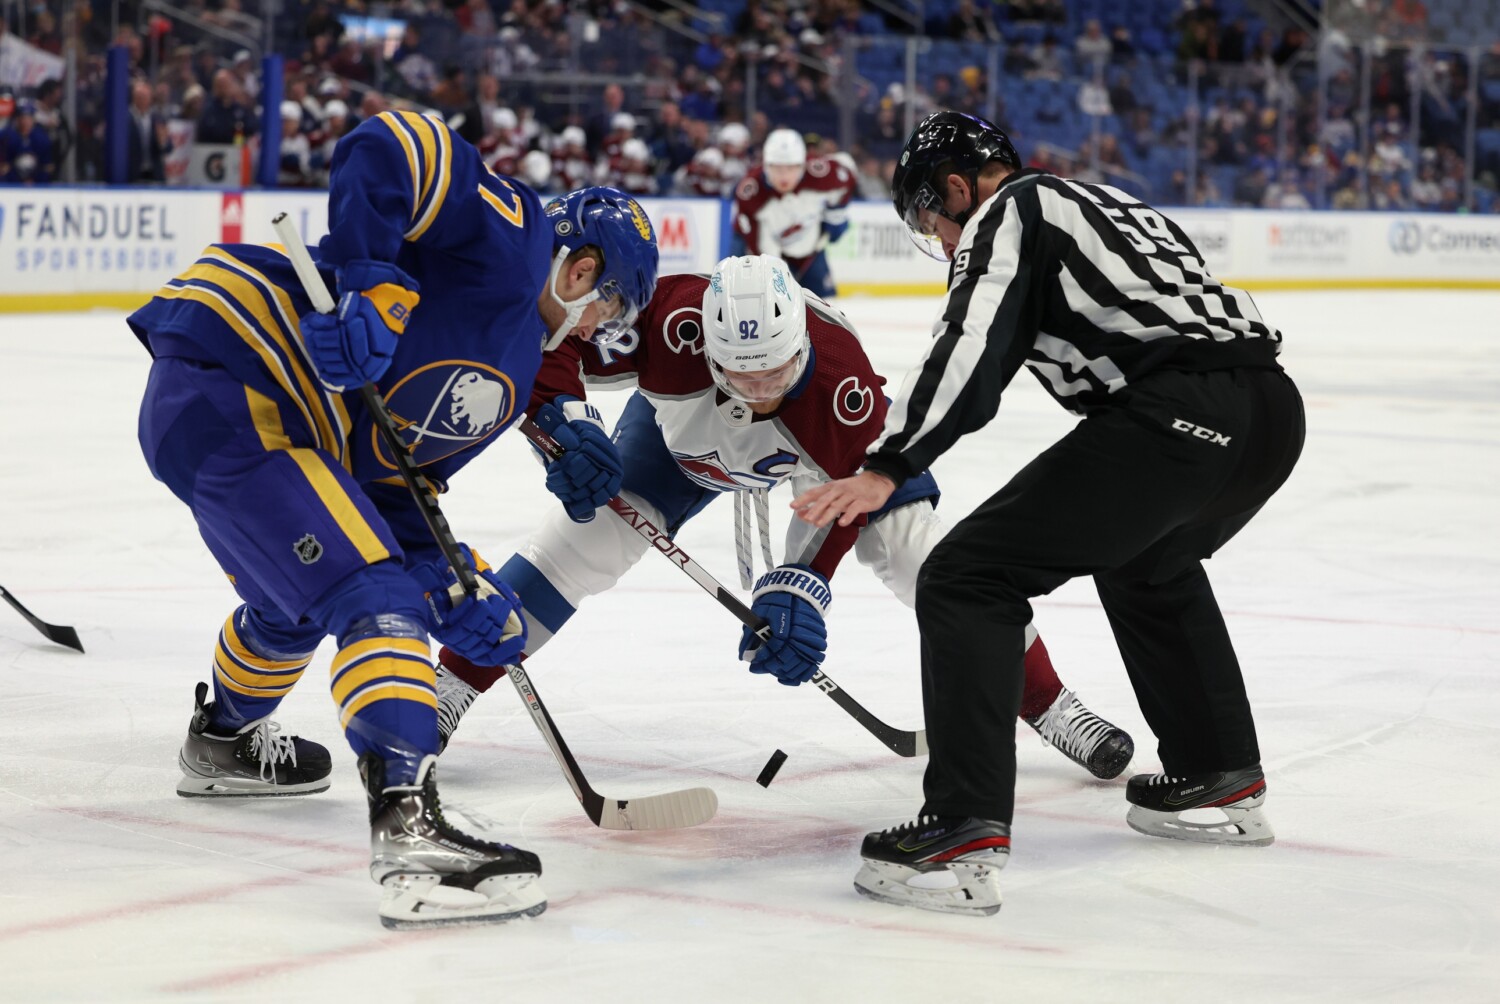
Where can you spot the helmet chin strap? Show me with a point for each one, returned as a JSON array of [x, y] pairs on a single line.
[[574, 308]]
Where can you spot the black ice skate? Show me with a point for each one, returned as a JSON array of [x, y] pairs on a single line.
[[432, 873], [255, 761], [1102, 749], [950, 864], [454, 697], [1218, 808]]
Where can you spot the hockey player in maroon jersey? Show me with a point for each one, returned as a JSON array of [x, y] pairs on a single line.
[[744, 381], [793, 206]]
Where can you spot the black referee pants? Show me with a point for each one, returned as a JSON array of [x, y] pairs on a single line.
[[1137, 496]]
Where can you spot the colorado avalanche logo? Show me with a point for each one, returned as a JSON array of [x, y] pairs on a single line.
[[445, 407], [710, 471], [852, 401], [683, 331]]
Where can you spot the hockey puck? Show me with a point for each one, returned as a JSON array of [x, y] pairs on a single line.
[[768, 772]]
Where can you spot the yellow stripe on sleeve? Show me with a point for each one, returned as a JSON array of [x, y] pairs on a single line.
[[295, 378], [230, 315], [393, 123], [422, 128], [444, 173], [293, 325]]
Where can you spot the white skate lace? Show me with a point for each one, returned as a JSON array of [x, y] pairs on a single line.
[[454, 697], [1071, 727], [267, 743], [742, 506]]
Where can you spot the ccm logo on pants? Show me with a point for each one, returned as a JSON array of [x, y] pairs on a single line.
[[1183, 425]]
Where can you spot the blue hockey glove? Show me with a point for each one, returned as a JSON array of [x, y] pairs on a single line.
[[488, 629], [792, 599], [589, 474], [354, 344]]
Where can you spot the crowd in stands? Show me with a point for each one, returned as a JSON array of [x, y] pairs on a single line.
[[1178, 101]]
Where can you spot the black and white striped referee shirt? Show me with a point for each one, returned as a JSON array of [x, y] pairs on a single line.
[[1088, 287]]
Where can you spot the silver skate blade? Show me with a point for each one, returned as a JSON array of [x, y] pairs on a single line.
[[195, 785], [409, 902], [1228, 826], [673, 810], [972, 890]]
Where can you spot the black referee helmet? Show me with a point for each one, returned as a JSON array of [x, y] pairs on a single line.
[[944, 143]]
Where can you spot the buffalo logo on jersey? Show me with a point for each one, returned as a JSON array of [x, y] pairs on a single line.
[[710, 471], [446, 407]]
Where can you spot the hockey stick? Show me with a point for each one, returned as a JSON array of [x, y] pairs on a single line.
[[668, 810], [898, 740], [55, 632]]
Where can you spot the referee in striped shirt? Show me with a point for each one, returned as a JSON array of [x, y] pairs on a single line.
[[1188, 426]]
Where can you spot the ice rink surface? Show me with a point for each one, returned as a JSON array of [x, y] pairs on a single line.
[[1365, 603]]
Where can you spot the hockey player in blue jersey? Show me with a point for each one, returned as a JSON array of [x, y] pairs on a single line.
[[450, 282]]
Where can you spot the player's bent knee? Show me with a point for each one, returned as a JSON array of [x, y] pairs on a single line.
[[374, 598]]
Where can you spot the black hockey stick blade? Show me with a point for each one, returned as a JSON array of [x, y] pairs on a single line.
[[58, 633]]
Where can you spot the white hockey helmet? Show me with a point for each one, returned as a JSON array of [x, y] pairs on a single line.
[[710, 158], [574, 136], [784, 146], [734, 135], [536, 169], [504, 118], [636, 150], [754, 320], [622, 122]]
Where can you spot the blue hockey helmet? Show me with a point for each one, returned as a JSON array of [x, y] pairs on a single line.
[[613, 222]]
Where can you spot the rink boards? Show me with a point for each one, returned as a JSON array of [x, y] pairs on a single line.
[[75, 248]]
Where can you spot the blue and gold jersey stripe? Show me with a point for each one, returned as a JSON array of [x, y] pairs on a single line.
[[428, 147], [381, 669], [325, 482], [244, 672], [241, 297]]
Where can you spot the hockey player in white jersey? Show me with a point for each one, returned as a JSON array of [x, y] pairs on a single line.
[[743, 382]]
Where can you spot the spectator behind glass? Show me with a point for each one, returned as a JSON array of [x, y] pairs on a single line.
[[1093, 46], [417, 71], [602, 122], [296, 152], [970, 24], [25, 149], [147, 143], [671, 146], [49, 116], [228, 116]]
